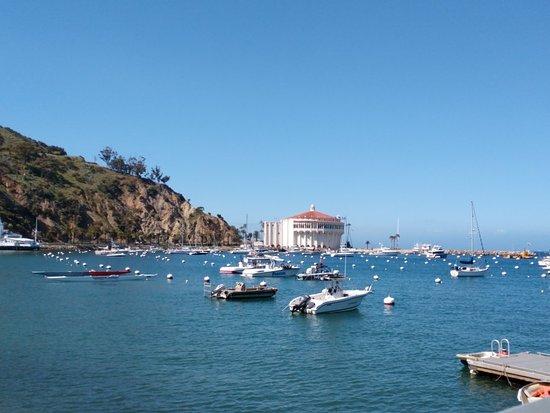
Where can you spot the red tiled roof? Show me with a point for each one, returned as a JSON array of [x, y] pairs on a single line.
[[315, 215]]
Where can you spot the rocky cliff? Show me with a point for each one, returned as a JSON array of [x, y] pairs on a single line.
[[79, 201]]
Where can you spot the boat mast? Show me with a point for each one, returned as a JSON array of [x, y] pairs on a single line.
[[36, 230], [472, 228]]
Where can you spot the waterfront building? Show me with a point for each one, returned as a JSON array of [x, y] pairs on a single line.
[[309, 229]]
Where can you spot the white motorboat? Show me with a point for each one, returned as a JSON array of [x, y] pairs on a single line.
[[250, 262], [99, 278], [385, 251], [272, 270], [183, 250], [11, 241], [435, 252], [466, 267], [333, 299], [545, 262], [319, 272]]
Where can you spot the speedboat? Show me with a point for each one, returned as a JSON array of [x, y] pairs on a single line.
[[81, 273], [100, 277], [533, 392], [241, 291], [333, 299]]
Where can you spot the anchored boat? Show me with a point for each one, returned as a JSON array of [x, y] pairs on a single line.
[[333, 299], [92, 275], [241, 291], [465, 267], [320, 272]]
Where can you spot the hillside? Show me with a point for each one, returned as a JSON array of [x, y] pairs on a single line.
[[80, 201]]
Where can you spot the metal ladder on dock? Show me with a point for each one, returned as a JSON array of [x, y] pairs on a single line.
[[502, 347]]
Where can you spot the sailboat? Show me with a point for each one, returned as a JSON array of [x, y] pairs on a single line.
[[465, 267]]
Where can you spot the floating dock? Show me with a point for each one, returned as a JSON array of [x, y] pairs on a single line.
[[526, 367]]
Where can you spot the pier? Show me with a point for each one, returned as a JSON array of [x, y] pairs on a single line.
[[526, 367]]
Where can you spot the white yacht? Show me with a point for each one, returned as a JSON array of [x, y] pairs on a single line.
[[273, 269], [319, 272], [435, 251], [250, 262], [385, 251], [466, 267], [11, 241], [545, 262], [333, 299]]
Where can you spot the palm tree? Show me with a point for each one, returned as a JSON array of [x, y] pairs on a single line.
[[368, 243]]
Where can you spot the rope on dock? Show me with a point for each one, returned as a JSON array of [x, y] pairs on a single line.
[[505, 375]]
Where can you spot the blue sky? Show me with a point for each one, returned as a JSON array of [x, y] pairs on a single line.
[[371, 110]]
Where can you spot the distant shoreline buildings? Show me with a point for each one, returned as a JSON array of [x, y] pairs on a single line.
[[309, 229]]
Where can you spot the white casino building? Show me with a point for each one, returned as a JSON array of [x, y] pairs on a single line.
[[311, 229]]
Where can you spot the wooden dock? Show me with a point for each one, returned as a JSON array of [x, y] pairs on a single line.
[[526, 367]]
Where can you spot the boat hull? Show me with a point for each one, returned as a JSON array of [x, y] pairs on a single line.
[[19, 247], [472, 273], [286, 272], [95, 278], [338, 305]]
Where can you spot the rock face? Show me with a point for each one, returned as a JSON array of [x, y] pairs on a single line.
[[79, 201]]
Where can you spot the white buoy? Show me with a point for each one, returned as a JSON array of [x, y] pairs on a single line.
[[136, 272], [108, 267], [182, 261], [84, 264], [543, 275], [376, 278], [438, 280], [503, 273], [206, 280], [389, 300], [100, 265], [372, 267], [401, 268], [169, 277], [353, 265], [263, 284], [516, 267], [127, 268]]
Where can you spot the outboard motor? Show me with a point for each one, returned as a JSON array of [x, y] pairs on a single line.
[[218, 288], [300, 304]]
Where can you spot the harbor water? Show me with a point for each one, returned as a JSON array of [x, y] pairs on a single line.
[[161, 345]]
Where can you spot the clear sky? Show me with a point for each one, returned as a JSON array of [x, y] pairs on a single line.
[[370, 110]]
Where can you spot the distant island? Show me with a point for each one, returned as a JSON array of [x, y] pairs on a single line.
[[75, 201]]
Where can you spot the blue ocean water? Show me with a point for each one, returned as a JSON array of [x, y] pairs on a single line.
[[161, 345]]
